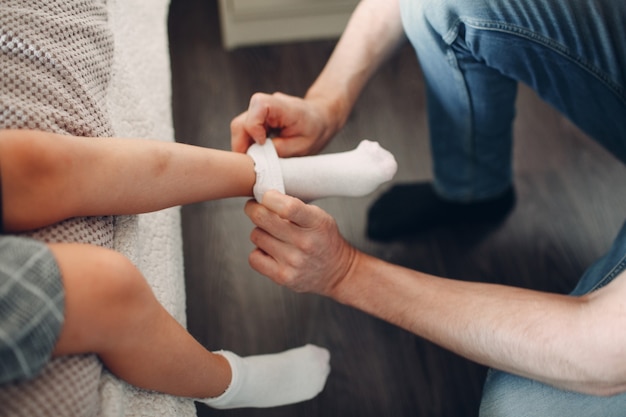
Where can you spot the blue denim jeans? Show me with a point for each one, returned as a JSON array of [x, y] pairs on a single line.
[[510, 395], [474, 52]]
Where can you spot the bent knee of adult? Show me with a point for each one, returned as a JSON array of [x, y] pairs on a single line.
[[507, 395], [443, 17], [433, 19]]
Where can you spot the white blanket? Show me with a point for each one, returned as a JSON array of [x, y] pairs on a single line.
[[140, 106]]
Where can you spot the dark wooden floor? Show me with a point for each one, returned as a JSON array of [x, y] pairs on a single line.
[[571, 202]]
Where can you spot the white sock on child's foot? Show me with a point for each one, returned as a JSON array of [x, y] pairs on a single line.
[[271, 380], [267, 168], [354, 173]]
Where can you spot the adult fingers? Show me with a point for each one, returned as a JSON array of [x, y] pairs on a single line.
[[269, 220], [276, 259], [264, 113], [295, 211], [240, 140], [299, 245]]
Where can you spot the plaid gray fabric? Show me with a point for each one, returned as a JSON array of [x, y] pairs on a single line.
[[31, 307]]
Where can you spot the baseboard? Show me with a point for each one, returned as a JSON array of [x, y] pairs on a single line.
[[254, 22]]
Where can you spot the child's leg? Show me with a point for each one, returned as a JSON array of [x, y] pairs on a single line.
[[147, 175], [110, 310]]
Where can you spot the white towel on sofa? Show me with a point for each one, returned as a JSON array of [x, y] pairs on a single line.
[[139, 104]]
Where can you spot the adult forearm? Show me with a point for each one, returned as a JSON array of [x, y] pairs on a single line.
[[575, 343], [372, 35], [559, 340]]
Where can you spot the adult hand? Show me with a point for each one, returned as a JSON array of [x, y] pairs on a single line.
[[300, 127], [298, 245]]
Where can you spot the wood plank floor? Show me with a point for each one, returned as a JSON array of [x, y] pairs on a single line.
[[571, 202]]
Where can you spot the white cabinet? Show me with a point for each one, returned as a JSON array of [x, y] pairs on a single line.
[[253, 22]]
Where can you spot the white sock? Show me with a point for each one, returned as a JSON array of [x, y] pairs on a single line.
[[354, 173], [268, 174], [271, 380]]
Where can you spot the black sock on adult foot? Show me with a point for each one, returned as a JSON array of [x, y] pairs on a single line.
[[408, 209]]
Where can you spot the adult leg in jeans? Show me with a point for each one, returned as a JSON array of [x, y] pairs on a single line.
[[473, 54], [510, 395]]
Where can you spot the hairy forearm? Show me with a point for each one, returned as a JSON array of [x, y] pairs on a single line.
[[47, 178], [373, 33], [571, 343]]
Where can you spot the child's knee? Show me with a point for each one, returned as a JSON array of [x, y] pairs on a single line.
[[103, 281], [122, 284], [105, 294]]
